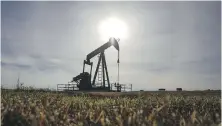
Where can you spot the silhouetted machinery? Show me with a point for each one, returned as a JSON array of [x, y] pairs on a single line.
[[83, 80]]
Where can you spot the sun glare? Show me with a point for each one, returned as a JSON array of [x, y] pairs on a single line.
[[112, 27]]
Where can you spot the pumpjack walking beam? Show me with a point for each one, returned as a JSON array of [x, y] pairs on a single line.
[[111, 42]]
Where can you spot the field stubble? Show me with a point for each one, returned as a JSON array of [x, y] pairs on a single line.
[[111, 108]]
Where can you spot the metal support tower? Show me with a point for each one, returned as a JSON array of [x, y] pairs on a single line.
[[100, 73]]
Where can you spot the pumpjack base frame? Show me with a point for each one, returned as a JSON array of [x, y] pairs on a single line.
[[74, 88]]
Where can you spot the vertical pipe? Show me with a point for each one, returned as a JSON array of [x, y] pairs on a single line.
[[91, 72], [118, 68], [83, 66]]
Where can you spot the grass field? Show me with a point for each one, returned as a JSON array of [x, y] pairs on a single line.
[[186, 108]]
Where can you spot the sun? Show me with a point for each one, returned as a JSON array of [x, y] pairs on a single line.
[[112, 27]]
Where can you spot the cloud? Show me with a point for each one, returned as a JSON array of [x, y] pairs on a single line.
[[9, 65], [170, 44]]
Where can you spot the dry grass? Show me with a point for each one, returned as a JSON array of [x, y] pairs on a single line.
[[111, 109]]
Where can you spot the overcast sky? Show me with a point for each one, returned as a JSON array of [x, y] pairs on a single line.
[[169, 44]]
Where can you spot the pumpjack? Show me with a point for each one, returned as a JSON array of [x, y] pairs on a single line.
[[83, 80]]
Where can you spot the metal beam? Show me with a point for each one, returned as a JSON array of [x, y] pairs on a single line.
[[107, 75], [103, 65], [97, 67], [111, 42], [83, 66], [91, 72]]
